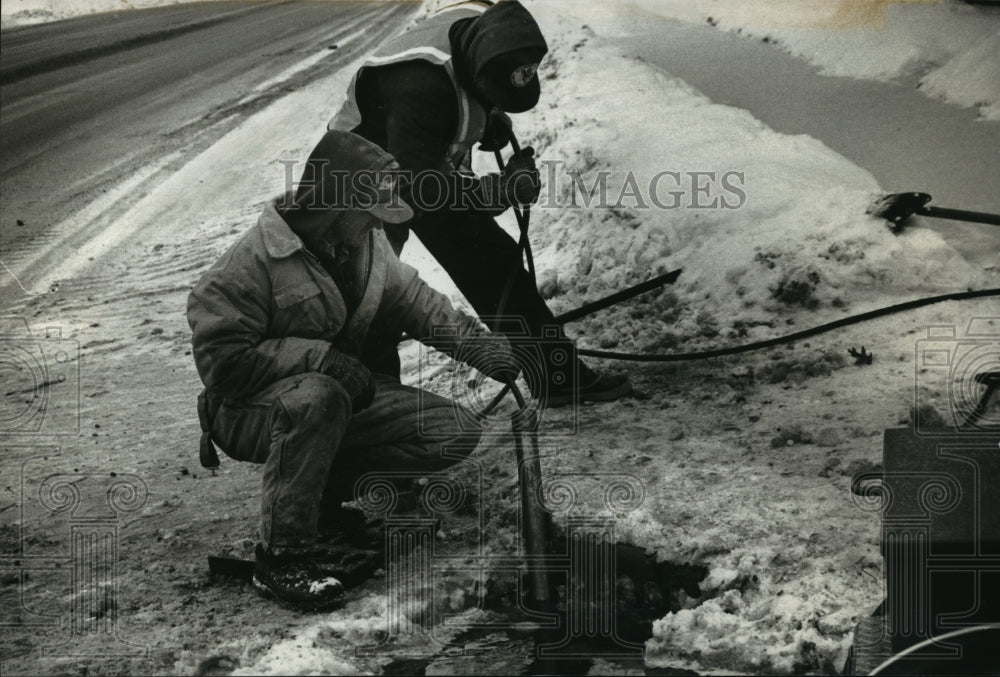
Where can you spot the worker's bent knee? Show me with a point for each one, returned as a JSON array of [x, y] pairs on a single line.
[[465, 436], [460, 447], [317, 400]]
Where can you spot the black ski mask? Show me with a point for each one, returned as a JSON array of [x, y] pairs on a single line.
[[499, 53]]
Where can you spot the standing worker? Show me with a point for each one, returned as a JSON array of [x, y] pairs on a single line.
[[427, 96]]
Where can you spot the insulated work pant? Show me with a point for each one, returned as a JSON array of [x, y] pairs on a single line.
[[314, 449], [479, 256]]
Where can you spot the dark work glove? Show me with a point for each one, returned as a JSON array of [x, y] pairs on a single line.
[[518, 185], [497, 134], [355, 377], [519, 179], [491, 354]]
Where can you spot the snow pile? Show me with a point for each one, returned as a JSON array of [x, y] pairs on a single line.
[[971, 78], [954, 46], [773, 601], [768, 228], [785, 242], [747, 627], [308, 650]]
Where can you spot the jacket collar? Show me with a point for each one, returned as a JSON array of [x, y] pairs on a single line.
[[279, 240]]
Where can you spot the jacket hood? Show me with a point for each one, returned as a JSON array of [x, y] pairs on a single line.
[[500, 51]]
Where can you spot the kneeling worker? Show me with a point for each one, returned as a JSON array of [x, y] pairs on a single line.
[[278, 324]]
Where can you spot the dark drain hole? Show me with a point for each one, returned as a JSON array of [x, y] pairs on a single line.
[[645, 591]]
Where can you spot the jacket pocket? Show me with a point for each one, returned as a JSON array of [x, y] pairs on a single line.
[[289, 296]]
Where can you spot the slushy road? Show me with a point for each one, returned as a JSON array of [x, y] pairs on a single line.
[[92, 102]]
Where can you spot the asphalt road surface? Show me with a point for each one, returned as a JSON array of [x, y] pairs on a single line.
[[89, 103]]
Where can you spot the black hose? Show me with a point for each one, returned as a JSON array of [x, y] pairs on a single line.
[[843, 322], [529, 256], [523, 245], [964, 658]]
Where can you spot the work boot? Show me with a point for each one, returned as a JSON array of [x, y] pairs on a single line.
[[366, 534], [591, 387], [296, 581], [338, 519]]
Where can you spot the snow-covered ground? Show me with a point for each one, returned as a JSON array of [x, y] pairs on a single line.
[[798, 251], [746, 462], [785, 244], [788, 214], [952, 46]]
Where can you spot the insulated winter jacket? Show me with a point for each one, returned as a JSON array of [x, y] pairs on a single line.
[[416, 99], [267, 309], [422, 103]]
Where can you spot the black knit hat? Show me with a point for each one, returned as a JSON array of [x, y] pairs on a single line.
[[502, 50]]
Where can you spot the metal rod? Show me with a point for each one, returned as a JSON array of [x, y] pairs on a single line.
[[618, 297], [960, 215], [529, 473]]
